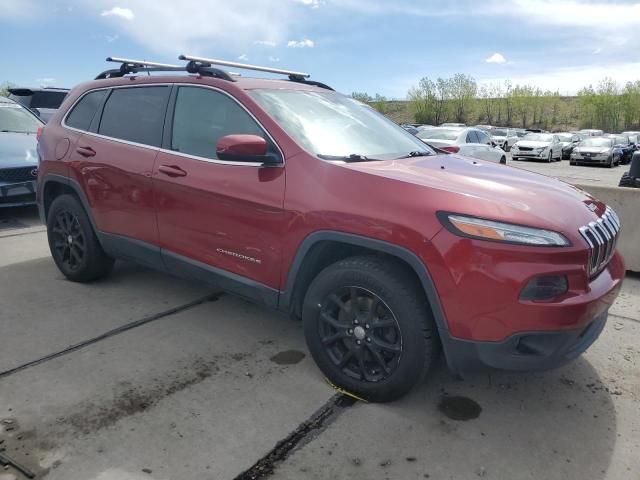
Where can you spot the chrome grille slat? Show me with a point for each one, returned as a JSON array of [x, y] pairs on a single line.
[[602, 238]]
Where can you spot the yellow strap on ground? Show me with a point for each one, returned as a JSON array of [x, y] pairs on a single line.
[[344, 392]]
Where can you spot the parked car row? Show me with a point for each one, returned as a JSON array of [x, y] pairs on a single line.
[[470, 142]]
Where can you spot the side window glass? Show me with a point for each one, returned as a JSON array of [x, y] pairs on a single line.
[[135, 114], [84, 111], [202, 116], [484, 138], [471, 137]]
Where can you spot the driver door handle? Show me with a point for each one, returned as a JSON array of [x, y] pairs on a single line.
[[172, 171], [86, 151]]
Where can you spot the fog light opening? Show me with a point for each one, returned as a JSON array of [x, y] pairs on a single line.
[[545, 288]]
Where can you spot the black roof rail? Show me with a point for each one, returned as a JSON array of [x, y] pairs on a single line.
[[200, 66], [299, 77], [128, 66]]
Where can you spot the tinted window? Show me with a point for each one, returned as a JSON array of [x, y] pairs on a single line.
[[84, 111], [202, 116], [483, 137], [44, 99], [472, 137], [135, 114]]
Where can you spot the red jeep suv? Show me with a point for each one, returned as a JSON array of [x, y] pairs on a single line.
[[287, 193]]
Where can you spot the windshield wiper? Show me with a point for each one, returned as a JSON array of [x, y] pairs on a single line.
[[13, 131], [354, 157], [415, 153]]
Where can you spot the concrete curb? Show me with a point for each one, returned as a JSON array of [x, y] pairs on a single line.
[[626, 203]]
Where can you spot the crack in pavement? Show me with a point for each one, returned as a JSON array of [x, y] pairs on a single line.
[[116, 331], [305, 433]]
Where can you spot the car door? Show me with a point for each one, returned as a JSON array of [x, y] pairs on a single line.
[[114, 160], [485, 150], [218, 220], [468, 143]]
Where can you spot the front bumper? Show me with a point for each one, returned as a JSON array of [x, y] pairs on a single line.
[[529, 351], [529, 154], [17, 194], [599, 160]]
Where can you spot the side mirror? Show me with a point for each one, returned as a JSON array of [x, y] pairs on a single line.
[[244, 148]]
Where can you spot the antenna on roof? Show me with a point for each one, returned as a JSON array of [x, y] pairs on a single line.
[[194, 61]]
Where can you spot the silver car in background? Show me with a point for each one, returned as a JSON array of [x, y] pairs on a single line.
[[538, 146], [592, 132], [505, 138], [470, 142], [568, 141], [596, 150]]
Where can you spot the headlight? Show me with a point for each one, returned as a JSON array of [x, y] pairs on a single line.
[[482, 229]]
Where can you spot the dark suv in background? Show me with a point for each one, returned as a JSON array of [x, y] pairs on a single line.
[[41, 101]]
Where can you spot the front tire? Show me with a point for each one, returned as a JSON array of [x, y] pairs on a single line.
[[550, 157], [73, 243], [369, 328]]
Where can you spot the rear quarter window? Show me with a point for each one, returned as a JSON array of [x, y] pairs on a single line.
[[135, 114], [83, 112]]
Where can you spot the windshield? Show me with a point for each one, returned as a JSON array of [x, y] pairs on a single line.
[[14, 118], [439, 134], [498, 133], [538, 137], [596, 142], [330, 124]]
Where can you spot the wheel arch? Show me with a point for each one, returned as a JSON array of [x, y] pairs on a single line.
[[322, 248], [52, 186]]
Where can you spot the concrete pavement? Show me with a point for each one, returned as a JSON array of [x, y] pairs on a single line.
[[199, 392]]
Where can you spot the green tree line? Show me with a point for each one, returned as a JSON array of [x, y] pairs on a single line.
[[605, 106]]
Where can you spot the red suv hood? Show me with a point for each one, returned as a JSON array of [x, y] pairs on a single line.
[[490, 190]]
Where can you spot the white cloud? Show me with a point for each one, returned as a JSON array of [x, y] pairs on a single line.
[[597, 51], [243, 57], [570, 80], [125, 13], [310, 3], [46, 81], [111, 38], [306, 43], [273, 59], [496, 58], [266, 43], [18, 9]]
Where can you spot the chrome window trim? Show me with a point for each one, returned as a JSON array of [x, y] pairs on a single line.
[[173, 152]]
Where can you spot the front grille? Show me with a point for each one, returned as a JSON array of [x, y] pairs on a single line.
[[21, 174], [525, 149], [602, 236]]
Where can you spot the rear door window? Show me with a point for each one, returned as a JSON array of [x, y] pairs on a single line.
[[135, 114], [472, 137], [83, 112], [202, 116]]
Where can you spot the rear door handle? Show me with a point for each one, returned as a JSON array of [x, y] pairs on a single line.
[[86, 151], [172, 171]]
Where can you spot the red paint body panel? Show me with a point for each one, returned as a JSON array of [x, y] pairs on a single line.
[[266, 213]]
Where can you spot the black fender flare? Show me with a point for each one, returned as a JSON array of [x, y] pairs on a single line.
[[402, 253], [67, 182]]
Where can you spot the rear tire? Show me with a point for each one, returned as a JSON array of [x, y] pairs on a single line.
[[550, 157], [73, 243], [379, 345], [503, 160]]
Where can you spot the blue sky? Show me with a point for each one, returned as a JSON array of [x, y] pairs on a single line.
[[353, 45]]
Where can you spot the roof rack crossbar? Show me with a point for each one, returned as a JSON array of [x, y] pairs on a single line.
[[140, 63], [213, 61]]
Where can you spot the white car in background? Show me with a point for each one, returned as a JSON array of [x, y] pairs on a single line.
[[470, 142], [538, 146], [505, 138]]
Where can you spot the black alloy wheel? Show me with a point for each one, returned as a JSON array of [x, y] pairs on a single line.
[[69, 242], [360, 334]]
